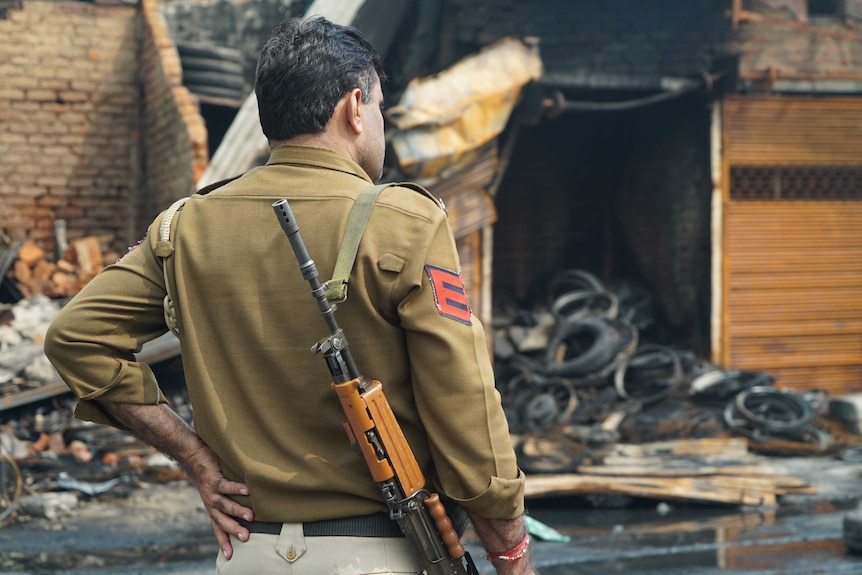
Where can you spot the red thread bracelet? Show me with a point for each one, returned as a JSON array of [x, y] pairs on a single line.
[[515, 553]]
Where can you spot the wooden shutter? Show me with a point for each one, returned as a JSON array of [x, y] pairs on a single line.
[[792, 239]]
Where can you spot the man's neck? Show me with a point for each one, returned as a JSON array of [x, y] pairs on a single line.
[[322, 140]]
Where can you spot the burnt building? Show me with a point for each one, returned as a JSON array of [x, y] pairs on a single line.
[[705, 150]]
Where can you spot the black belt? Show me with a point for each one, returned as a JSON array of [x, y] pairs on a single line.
[[375, 525]]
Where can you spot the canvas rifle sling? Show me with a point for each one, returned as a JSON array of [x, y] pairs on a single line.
[[336, 291], [164, 249], [336, 288]]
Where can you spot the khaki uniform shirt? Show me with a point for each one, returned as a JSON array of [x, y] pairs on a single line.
[[247, 321]]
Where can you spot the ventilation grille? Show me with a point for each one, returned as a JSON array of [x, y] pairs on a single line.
[[796, 183]]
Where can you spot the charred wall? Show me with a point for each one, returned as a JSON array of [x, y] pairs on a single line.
[[626, 193], [674, 38], [242, 25], [625, 196]]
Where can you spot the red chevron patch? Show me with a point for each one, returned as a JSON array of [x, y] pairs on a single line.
[[449, 294]]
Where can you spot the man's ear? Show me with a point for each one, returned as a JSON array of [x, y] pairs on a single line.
[[353, 110]]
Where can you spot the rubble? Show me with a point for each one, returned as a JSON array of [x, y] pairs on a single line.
[[597, 407], [47, 459], [45, 454], [23, 326], [33, 272], [49, 505], [580, 377], [56, 459]]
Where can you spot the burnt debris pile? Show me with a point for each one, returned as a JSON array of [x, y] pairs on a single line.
[[576, 374]]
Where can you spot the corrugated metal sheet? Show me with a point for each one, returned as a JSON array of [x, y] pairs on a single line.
[[442, 120], [470, 254], [792, 271], [465, 194]]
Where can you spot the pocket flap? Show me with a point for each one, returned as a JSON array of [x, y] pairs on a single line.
[[390, 263]]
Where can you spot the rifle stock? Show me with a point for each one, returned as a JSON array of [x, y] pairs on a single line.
[[372, 427]]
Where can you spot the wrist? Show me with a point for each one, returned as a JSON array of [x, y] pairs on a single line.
[[514, 554]]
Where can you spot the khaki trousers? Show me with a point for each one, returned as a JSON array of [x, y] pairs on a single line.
[[292, 553]]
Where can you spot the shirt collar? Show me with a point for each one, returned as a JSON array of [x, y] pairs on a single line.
[[316, 157]]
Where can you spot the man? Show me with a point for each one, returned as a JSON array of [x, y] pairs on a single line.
[[267, 451]]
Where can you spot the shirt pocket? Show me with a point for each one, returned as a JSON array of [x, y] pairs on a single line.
[[390, 263]]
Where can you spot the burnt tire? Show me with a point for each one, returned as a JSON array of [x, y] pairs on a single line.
[[774, 410], [651, 364], [569, 280], [194, 64], [210, 51], [216, 92], [592, 357], [586, 302], [216, 79]]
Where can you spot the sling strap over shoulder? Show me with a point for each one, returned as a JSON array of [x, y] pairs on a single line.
[[164, 249], [336, 288]]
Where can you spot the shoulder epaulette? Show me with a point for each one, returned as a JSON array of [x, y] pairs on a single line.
[[207, 189], [424, 191], [165, 249]]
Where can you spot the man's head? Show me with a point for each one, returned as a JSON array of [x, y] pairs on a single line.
[[314, 76]]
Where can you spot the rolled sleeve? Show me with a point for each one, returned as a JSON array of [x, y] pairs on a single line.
[[93, 341], [503, 499], [454, 390], [135, 384]]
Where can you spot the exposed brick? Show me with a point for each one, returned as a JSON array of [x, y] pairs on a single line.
[[51, 181], [25, 106], [32, 191], [8, 93], [41, 95], [72, 96], [20, 81], [53, 84], [12, 138], [69, 114]]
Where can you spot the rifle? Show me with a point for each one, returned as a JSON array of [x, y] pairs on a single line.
[[371, 425]]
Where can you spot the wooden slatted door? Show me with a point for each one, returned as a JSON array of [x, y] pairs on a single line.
[[792, 239]]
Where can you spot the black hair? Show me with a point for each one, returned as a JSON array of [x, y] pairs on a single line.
[[305, 68]]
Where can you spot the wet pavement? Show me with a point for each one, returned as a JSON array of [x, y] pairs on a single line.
[[798, 540], [801, 536], [163, 529]]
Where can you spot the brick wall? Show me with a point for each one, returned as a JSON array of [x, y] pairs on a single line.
[[783, 44], [173, 131], [83, 136], [67, 119]]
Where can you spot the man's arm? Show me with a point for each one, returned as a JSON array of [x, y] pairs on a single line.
[[499, 535], [161, 427]]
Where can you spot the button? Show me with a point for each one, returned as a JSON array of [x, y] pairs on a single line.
[[291, 554]]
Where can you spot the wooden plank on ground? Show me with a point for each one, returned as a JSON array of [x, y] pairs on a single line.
[[669, 470], [714, 470], [702, 489], [728, 447]]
